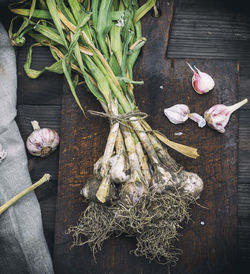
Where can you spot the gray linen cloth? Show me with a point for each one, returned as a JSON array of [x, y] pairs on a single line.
[[23, 248]]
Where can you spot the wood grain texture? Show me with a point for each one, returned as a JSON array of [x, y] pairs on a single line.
[[244, 147], [210, 29], [207, 249], [45, 90]]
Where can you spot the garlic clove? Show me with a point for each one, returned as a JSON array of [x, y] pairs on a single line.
[[177, 114], [42, 141], [217, 116], [198, 119], [201, 81]]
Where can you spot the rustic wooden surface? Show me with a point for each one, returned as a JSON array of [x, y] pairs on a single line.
[[215, 29], [211, 248]]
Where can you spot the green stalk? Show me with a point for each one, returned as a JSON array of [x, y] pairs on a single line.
[[133, 57], [143, 10], [53, 12], [116, 42], [4, 207], [103, 25], [95, 4]]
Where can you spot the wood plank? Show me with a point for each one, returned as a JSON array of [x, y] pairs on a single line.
[[244, 147], [207, 249], [48, 116], [244, 82], [217, 237], [244, 201], [210, 29]]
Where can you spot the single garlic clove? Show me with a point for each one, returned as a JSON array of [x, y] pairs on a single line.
[[218, 115], [201, 81], [3, 153], [42, 141], [198, 119], [177, 114]]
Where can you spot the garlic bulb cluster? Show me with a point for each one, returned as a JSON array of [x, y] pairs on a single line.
[[201, 81], [218, 116], [180, 113], [3, 153], [42, 141]]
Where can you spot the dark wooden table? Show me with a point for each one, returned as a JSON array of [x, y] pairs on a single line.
[[200, 29]]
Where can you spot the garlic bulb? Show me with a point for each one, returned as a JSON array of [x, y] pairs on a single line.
[[132, 191], [177, 114], [201, 81], [192, 184], [91, 187], [42, 141], [3, 153], [218, 116], [198, 119], [118, 171]]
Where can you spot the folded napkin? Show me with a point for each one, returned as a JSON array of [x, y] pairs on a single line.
[[23, 248]]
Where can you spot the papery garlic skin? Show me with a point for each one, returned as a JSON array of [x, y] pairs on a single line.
[[177, 114], [192, 184], [3, 153], [42, 141], [218, 115], [118, 169], [198, 119], [201, 81]]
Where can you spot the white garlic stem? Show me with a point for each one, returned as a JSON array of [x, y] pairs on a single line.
[[35, 125], [131, 150], [103, 190], [46, 177], [109, 149], [237, 105]]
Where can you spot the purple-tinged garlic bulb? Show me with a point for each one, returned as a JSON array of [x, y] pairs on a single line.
[[132, 191], [3, 153], [201, 81], [177, 114], [198, 119], [218, 116], [42, 141]]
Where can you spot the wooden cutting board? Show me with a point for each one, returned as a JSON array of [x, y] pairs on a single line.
[[209, 241]]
